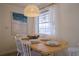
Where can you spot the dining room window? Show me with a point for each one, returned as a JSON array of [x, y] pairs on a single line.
[[44, 23]]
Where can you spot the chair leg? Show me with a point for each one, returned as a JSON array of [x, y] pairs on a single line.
[[29, 50], [18, 54]]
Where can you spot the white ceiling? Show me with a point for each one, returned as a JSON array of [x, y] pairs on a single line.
[[40, 5]]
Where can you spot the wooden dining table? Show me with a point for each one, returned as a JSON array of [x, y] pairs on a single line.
[[44, 49]]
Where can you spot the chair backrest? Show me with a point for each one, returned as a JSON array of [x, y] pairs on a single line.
[[23, 48], [19, 45]]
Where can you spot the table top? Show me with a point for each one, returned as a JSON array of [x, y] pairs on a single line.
[[46, 50]]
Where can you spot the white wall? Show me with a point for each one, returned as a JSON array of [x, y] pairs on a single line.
[[7, 43], [31, 25], [68, 22]]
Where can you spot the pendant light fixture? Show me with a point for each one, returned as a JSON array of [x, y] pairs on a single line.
[[31, 11]]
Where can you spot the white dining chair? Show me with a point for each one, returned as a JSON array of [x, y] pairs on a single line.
[[26, 49], [22, 49], [19, 47], [73, 51]]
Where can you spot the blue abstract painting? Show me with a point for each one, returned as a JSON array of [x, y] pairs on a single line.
[[19, 17]]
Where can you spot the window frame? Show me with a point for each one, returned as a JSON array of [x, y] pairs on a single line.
[[52, 13], [42, 14]]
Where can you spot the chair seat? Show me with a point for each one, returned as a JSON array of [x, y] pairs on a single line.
[[73, 51]]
